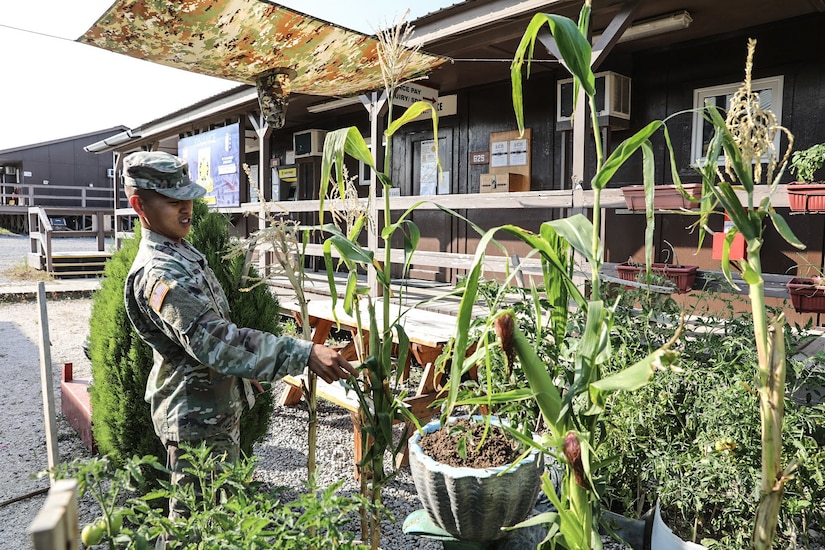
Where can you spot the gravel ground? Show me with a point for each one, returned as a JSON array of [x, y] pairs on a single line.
[[22, 434]]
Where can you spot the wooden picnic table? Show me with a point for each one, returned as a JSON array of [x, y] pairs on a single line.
[[427, 331]]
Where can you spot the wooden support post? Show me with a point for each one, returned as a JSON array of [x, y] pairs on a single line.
[[47, 385]]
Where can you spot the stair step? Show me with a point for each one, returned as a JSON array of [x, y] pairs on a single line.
[[70, 274]]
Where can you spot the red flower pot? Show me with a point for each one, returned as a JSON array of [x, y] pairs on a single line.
[[683, 276], [806, 197], [807, 294], [665, 197]]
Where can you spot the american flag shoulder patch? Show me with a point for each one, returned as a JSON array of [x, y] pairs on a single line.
[[158, 294]]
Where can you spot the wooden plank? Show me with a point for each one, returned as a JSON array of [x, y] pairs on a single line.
[[424, 327], [334, 393], [55, 526]]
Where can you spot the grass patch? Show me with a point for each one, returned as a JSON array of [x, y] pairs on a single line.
[[23, 272], [6, 232]]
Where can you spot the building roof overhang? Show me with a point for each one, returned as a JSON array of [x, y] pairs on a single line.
[[480, 38]]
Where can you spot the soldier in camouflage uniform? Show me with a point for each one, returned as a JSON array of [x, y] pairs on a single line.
[[204, 365]]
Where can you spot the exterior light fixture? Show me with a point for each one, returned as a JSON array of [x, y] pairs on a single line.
[[662, 24], [333, 104], [651, 27]]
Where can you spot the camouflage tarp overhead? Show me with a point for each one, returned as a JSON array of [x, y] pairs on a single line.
[[239, 39]]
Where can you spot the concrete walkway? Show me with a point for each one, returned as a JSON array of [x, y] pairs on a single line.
[[64, 288]]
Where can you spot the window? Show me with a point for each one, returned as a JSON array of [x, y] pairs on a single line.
[[770, 97]]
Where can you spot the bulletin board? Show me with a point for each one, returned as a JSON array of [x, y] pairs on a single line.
[[510, 154]]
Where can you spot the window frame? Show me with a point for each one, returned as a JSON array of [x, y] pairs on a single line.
[[774, 83]]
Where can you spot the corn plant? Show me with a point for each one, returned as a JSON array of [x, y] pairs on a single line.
[[746, 136], [572, 407], [379, 408], [286, 240]]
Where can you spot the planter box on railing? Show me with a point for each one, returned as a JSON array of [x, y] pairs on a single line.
[[807, 294], [665, 197], [683, 276], [806, 197]]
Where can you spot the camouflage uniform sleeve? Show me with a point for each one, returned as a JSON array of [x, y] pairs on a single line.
[[246, 352], [187, 316]]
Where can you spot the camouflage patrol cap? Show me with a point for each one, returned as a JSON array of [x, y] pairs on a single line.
[[161, 172]]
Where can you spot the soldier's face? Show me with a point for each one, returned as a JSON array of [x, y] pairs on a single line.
[[169, 217]]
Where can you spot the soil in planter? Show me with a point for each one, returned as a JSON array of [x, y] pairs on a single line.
[[498, 448]]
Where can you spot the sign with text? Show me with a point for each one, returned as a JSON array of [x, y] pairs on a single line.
[[214, 163], [444, 106], [407, 94], [480, 157]]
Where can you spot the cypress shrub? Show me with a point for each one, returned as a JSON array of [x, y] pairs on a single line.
[[257, 308], [121, 361]]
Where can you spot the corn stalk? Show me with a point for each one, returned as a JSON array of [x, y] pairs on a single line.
[[287, 242], [379, 408], [746, 136]]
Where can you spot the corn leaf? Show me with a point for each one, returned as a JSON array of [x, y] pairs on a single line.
[[785, 231], [631, 378], [547, 395], [623, 152], [574, 49], [337, 143]]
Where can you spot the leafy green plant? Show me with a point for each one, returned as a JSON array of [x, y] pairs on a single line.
[[690, 438], [805, 163], [230, 512], [110, 486], [121, 361]]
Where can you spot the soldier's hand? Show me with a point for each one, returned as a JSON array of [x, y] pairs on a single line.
[[329, 364]]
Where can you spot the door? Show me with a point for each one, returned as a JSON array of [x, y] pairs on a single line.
[[437, 228]]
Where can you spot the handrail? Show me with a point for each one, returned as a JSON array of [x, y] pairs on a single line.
[[557, 199], [40, 241], [25, 195], [41, 231]]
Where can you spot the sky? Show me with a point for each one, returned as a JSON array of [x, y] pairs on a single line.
[[54, 87]]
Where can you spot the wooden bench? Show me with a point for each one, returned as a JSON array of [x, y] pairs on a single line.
[[337, 394], [427, 331]]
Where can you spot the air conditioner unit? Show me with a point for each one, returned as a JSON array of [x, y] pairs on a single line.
[[612, 97], [10, 170], [110, 173], [308, 143]]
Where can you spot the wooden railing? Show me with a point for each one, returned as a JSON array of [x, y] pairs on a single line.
[[27, 194], [559, 199], [563, 199], [42, 231]]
